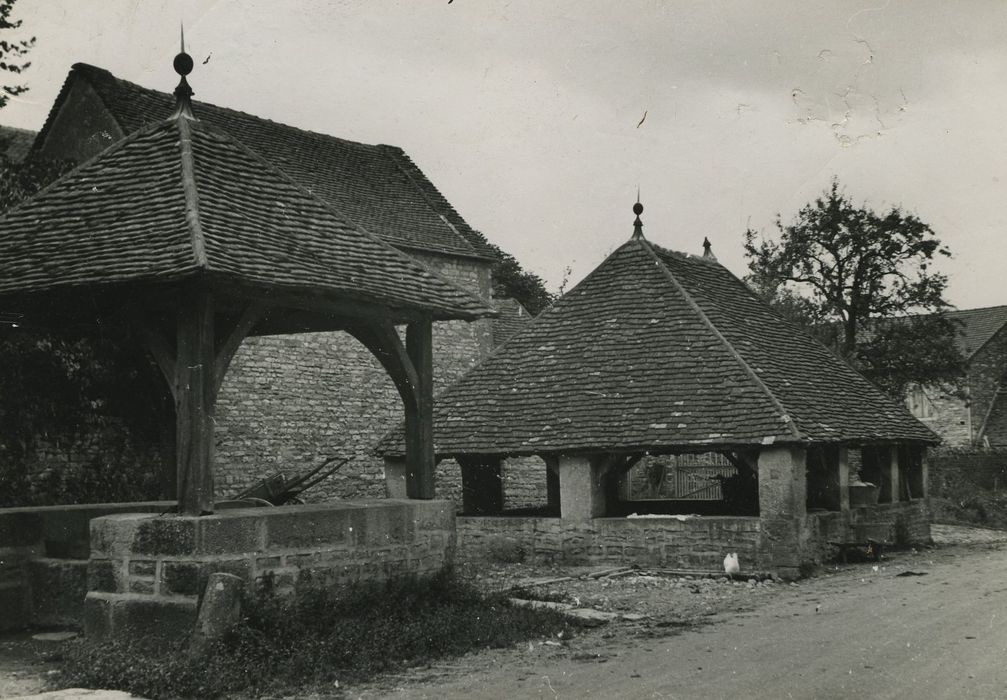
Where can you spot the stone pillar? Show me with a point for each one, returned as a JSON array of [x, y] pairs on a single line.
[[844, 478], [552, 489], [924, 474], [395, 477], [893, 471], [783, 509], [482, 485], [581, 487]]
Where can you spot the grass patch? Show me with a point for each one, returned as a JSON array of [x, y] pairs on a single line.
[[964, 503], [318, 637]]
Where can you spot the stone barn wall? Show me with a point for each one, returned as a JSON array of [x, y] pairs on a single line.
[[289, 402]]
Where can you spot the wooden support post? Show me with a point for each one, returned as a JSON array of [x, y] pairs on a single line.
[[552, 482], [895, 492], [843, 455], [420, 416], [195, 387]]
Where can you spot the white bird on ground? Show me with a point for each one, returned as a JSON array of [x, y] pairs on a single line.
[[731, 564]]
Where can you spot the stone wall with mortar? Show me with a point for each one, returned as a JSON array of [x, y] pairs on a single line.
[[43, 560], [524, 483], [146, 572], [694, 543], [289, 402], [943, 411], [903, 523]]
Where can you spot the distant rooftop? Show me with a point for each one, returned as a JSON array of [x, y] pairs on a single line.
[[979, 326], [376, 187], [15, 143]]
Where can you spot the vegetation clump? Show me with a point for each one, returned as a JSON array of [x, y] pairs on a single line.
[[320, 638]]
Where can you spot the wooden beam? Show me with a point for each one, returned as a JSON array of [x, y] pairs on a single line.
[[225, 352], [385, 344], [420, 462], [194, 404], [333, 305], [157, 345]]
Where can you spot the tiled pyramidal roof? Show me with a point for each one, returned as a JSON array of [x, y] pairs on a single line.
[[376, 187], [657, 350], [181, 197]]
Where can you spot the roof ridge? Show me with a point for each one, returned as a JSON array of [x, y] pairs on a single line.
[[345, 221], [394, 152], [104, 72], [785, 415], [438, 202], [191, 192]]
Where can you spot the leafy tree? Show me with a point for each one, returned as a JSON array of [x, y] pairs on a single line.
[[863, 284], [512, 280], [96, 395], [12, 53]]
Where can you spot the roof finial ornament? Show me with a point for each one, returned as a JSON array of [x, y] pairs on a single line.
[[637, 224], [708, 250], [183, 93]]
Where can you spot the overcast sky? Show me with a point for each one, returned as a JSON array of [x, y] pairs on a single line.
[[526, 114]]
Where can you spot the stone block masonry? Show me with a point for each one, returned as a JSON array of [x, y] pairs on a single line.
[[146, 572], [44, 559], [694, 543]]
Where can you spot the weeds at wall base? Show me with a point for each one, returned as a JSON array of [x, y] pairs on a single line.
[[316, 639]]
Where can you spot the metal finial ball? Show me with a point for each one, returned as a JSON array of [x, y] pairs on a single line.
[[638, 209], [183, 64]]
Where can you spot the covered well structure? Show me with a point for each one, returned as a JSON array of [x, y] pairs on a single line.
[[195, 242], [662, 353]]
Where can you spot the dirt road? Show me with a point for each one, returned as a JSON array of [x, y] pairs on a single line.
[[858, 633]]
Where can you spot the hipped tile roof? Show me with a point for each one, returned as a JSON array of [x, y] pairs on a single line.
[[180, 198], [656, 350], [377, 187], [513, 318]]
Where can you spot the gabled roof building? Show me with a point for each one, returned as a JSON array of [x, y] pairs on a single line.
[[659, 352], [978, 416]]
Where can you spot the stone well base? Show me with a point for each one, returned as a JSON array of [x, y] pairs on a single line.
[[695, 543], [146, 572], [44, 552]]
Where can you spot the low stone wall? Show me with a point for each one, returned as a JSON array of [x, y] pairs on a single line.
[[904, 523], [982, 468], [43, 560], [694, 543], [146, 572]]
